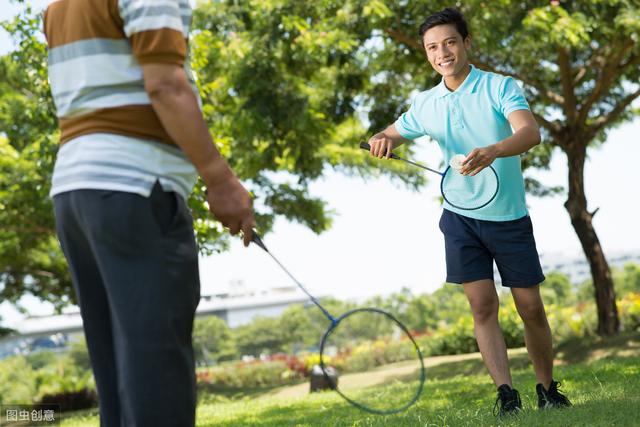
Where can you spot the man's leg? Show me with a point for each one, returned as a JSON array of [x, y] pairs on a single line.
[[92, 299], [149, 263], [537, 334], [483, 300]]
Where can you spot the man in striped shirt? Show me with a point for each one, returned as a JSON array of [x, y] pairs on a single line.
[[133, 141]]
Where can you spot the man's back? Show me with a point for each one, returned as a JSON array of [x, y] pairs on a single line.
[[96, 49]]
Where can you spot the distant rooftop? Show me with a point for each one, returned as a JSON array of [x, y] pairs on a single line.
[[236, 307]]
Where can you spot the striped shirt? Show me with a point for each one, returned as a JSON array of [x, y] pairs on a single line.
[[111, 136]]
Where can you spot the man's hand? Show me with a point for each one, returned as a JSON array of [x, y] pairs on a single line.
[[230, 203], [173, 100], [478, 159], [381, 145]]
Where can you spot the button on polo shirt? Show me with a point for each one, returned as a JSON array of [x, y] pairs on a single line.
[[474, 115]]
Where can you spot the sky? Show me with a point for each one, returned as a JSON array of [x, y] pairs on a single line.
[[386, 237]]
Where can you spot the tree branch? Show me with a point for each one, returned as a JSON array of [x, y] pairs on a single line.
[[403, 38], [553, 128], [607, 77], [604, 121], [569, 105], [549, 95], [634, 60]]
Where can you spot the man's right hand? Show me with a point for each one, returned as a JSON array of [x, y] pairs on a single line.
[[381, 145], [230, 203]]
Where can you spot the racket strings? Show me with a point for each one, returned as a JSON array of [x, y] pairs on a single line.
[[380, 365], [469, 192]]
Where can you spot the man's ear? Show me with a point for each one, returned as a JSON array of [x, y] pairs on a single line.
[[467, 42]]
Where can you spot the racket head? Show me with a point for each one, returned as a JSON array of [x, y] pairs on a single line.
[[393, 395], [469, 192]]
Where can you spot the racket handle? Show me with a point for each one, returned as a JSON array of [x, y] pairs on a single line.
[[258, 241], [367, 147]]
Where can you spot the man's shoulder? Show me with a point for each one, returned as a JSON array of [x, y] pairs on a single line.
[[491, 80], [421, 99]]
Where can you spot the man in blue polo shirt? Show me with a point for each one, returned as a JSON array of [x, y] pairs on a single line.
[[473, 112]]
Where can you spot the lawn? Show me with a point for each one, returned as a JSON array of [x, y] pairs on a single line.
[[601, 377]]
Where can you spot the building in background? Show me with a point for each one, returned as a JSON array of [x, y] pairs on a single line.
[[236, 307]]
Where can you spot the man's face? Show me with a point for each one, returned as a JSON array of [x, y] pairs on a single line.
[[446, 51]]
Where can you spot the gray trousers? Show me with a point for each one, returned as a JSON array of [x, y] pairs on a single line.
[[134, 266]]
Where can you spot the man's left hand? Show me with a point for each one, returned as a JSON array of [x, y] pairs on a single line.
[[479, 159]]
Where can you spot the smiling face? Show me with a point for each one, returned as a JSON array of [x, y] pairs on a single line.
[[446, 50]]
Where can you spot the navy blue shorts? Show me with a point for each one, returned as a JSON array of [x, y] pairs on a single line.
[[472, 245]]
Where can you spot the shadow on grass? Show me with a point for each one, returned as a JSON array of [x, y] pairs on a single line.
[[468, 367], [593, 348], [229, 393]]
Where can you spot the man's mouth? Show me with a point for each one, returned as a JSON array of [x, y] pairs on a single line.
[[446, 64]]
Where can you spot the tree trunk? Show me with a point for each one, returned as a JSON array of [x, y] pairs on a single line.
[[581, 219]]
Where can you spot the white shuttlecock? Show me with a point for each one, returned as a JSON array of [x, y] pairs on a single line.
[[456, 162]]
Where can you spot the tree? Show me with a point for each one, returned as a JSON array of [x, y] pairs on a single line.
[[278, 131], [557, 289], [213, 341], [578, 62], [290, 87]]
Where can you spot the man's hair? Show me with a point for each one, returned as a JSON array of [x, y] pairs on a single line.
[[444, 17]]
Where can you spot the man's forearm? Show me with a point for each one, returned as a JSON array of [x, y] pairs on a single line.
[[177, 107], [392, 133], [520, 142]]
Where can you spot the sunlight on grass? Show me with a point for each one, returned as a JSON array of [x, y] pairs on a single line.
[[604, 393]]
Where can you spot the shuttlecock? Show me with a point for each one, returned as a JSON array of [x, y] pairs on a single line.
[[456, 162]]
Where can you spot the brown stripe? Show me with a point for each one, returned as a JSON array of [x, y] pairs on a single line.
[[159, 46], [68, 21], [133, 120]]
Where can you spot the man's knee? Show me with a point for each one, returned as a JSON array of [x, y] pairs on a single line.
[[484, 309], [532, 312]]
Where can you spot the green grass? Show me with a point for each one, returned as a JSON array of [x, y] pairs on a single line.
[[601, 377]]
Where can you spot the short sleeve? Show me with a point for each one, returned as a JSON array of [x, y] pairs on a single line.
[[511, 97], [155, 30], [408, 124]]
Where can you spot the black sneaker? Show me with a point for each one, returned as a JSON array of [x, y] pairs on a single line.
[[551, 398], [509, 401]]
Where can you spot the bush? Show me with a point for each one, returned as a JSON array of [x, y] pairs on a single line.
[[17, 381], [42, 358], [511, 325], [455, 339], [72, 400], [249, 375], [629, 307]]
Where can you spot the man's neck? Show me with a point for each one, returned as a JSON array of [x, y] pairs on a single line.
[[454, 82]]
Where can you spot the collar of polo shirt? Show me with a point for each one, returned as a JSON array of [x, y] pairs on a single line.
[[467, 86]]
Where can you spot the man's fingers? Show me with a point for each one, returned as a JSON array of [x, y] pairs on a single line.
[[234, 227], [247, 230]]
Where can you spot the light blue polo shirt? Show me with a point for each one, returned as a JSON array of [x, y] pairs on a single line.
[[474, 115]]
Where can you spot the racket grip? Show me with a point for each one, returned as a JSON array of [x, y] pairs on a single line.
[[258, 241], [366, 146]]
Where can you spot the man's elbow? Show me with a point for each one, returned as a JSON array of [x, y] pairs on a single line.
[[536, 138]]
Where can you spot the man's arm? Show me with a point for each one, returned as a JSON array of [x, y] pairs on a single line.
[[177, 107], [526, 135], [383, 143]]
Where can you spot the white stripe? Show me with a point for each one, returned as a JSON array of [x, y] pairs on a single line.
[[94, 70], [111, 101], [125, 157], [127, 6], [147, 23]]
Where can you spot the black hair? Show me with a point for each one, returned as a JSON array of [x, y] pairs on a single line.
[[445, 16]]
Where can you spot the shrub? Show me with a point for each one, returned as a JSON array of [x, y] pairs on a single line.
[[249, 375], [17, 381], [629, 307], [72, 400]]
